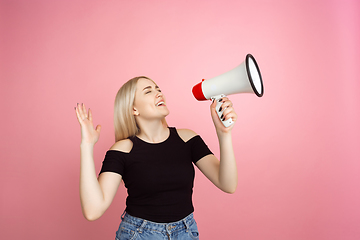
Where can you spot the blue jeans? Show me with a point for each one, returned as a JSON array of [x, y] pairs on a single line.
[[132, 228]]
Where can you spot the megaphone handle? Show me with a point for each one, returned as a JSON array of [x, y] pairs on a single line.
[[228, 122]]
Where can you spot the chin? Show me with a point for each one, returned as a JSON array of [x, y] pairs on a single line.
[[166, 111]]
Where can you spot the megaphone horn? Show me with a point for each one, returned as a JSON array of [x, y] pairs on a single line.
[[245, 78]]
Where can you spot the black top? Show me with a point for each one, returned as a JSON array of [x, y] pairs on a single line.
[[159, 177]]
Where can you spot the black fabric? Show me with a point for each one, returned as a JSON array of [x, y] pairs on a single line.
[[159, 177]]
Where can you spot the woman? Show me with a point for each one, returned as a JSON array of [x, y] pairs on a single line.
[[154, 161]]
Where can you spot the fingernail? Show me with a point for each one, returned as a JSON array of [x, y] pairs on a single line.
[[220, 100], [222, 116], [220, 109]]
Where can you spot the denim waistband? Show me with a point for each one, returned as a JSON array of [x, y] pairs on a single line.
[[159, 227]]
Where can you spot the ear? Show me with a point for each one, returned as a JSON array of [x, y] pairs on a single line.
[[135, 112]]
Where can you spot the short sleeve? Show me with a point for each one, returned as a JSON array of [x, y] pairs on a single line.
[[199, 149], [114, 161]]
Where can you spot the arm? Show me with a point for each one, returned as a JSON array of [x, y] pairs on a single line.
[[96, 195], [223, 173]]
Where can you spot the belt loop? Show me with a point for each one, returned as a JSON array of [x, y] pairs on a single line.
[[186, 225], [140, 229], [122, 215]]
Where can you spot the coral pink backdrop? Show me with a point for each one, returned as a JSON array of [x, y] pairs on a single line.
[[297, 147]]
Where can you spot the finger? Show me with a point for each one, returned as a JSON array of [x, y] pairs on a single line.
[[226, 112], [84, 110], [229, 111], [90, 115], [222, 99], [231, 115], [226, 104], [79, 113]]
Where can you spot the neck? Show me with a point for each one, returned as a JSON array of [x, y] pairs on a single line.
[[153, 132]]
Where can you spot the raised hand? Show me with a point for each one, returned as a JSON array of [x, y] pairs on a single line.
[[89, 134]]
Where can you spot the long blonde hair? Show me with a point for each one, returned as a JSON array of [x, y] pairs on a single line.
[[124, 120]]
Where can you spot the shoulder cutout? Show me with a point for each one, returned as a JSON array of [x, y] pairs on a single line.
[[124, 145], [186, 134]]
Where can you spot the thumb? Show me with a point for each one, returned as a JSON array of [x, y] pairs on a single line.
[[213, 104], [98, 128]]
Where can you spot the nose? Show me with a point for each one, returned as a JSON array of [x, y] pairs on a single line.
[[159, 94]]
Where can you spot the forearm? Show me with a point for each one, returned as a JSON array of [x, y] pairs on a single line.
[[228, 177], [91, 195]]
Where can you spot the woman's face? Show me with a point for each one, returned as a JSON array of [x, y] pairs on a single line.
[[149, 101]]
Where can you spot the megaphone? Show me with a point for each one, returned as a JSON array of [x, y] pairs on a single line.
[[245, 78]]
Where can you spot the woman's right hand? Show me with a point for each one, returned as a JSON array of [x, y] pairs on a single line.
[[89, 134]]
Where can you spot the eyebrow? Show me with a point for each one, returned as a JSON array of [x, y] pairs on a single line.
[[149, 87]]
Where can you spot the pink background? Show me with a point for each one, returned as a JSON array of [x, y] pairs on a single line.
[[297, 147]]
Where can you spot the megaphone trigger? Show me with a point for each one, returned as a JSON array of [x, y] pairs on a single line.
[[217, 97]]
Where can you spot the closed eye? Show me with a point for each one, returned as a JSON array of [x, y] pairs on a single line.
[[157, 88], [148, 89]]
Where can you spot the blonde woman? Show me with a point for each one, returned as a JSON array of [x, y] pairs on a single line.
[[154, 161]]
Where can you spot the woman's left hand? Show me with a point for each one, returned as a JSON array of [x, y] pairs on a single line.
[[228, 112]]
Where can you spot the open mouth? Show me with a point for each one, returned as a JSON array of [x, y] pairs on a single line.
[[161, 103]]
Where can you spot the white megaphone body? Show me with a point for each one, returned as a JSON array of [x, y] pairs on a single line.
[[245, 78]]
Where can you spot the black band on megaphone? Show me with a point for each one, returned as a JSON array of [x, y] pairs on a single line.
[[248, 56]]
